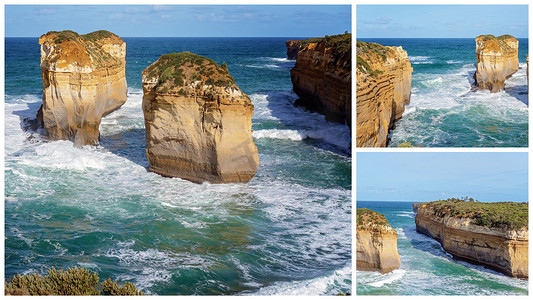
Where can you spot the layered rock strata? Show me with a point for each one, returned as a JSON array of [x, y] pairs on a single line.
[[376, 243], [83, 80], [198, 121], [383, 91], [497, 60], [322, 77], [294, 46], [502, 249]]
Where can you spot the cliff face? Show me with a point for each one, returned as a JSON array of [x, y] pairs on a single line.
[[83, 80], [198, 122], [503, 250], [376, 243], [383, 90], [322, 77], [497, 60], [293, 47]]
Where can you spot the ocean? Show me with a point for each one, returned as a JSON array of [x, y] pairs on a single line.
[[444, 112], [426, 269], [287, 231]]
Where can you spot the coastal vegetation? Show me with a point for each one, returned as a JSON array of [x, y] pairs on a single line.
[[73, 281], [511, 215], [366, 217], [367, 48], [500, 40]]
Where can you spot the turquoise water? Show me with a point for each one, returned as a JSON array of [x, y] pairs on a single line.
[[426, 269], [285, 232], [444, 112]]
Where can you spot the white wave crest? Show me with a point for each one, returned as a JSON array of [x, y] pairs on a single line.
[[389, 278]]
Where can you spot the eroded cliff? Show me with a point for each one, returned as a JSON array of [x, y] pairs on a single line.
[[376, 243], [497, 60], [322, 77], [383, 91], [198, 122], [83, 80], [479, 233]]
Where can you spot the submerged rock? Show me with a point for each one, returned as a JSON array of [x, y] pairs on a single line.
[[383, 91], [497, 60], [83, 80], [376, 243], [322, 76], [198, 122]]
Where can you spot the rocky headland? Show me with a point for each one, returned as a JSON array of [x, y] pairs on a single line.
[[198, 122], [376, 243], [497, 60], [383, 91], [322, 75], [294, 46], [494, 235], [83, 79]]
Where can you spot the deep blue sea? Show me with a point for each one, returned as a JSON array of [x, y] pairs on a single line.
[[288, 231], [426, 269], [444, 112]]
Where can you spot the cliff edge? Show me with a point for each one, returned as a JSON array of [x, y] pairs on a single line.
[[494, 235], [376, 243], [497, 60], [198, 122], [83, 79], [322, 76], [383, 91]]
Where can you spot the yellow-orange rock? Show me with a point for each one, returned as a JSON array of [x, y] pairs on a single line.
[[503, 250], [497, 60], [383, 91], [322, 76], [376, 243], [83, 79], [198, 122]]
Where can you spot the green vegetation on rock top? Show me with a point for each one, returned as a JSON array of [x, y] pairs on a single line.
[[178, 70], [73, 281], [69, 35], [365, 47], [365, 215], [501, 40], [511, 215]]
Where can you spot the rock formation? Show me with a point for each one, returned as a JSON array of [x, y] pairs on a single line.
[[383, 91], [322, 77], [198, 122], [376, 243], [294, 46], [497, 60], [502, 249], [83, 80]]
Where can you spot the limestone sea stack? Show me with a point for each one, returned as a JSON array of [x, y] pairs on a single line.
[[383, 91], [494, 235], [198, 122], [83, 79], [497, 60], [322, 76], [376, 243]]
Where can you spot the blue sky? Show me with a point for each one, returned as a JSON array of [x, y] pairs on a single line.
[[429, 176], [441, 21], [180, 20]]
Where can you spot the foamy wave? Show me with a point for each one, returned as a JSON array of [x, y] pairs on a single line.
[[281, 59], [332, 136], [389, 278], [420, 60], [453, 62]]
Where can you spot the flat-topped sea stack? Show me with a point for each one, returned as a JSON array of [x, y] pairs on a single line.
[[322, 76], [383, 91], [497, 60], [198, 122], [376, 244], [83, 79], [494, 235]]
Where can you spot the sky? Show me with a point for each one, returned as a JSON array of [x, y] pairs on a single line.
[[441, 21], [431, 176], [180, 20]]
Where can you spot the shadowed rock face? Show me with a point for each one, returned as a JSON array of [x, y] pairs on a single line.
[[383, 91], [198, 122], [500, 249], [322, 76], [376, 243], [497, 60], [83, 80]]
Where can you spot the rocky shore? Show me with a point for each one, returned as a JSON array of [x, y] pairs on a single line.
[[198, 121], [376, 243], [383, 91], [83, 80]]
